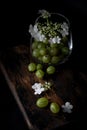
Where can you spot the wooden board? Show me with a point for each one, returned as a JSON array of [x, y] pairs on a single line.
[[70, 84]]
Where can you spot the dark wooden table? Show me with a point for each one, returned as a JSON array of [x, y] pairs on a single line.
[[70, 85]]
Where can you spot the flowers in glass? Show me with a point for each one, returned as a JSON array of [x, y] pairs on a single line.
[[50, 38], [48, 31]]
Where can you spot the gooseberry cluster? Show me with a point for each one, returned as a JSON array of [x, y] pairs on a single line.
[[49, 53], [38, 69], [43, 102]]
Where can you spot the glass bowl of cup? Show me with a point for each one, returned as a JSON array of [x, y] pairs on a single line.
[[51, 39]]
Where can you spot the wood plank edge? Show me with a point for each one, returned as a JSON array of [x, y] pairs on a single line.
[[13, 90]]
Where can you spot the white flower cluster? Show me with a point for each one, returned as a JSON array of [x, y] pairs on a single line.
[[67, 107], [65, 29], [38, 88], [48, 31], [35, 33], [55, 40]]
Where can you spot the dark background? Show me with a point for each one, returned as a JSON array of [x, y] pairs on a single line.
[[15, 20]]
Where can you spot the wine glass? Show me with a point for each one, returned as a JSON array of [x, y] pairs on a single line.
[[51, 39]]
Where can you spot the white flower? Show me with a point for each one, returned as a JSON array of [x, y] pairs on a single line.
[[55, 40], [31, 29], [58, 39], [41, 37], [35, 33], [67, 107], [65, 26], [65, 29], [35, 28], [38, 88], [64, 32]]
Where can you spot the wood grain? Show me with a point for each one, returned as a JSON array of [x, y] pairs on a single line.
[[70, 85]]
